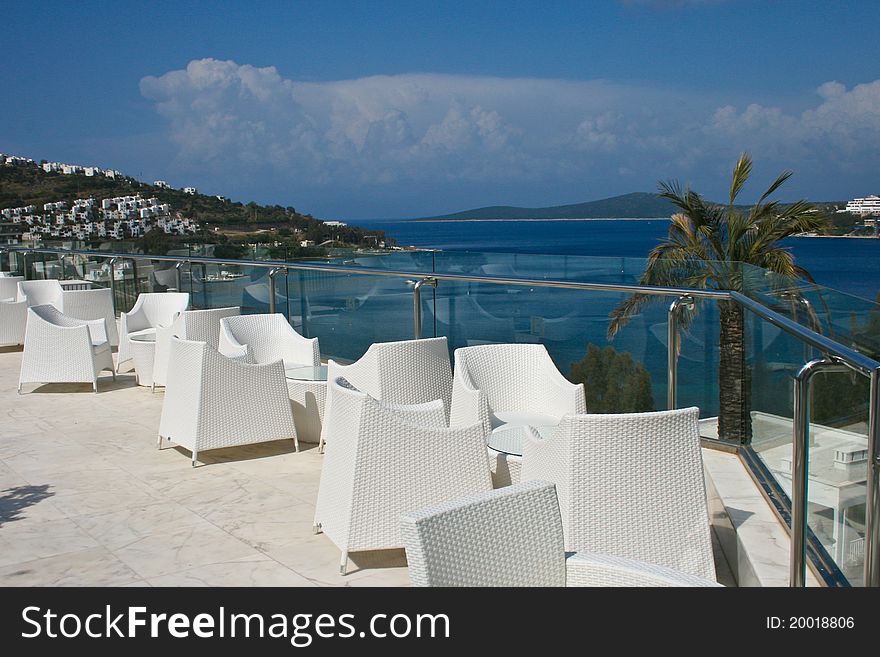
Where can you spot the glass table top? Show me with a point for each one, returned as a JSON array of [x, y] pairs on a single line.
[[508, 438], [143, 337], [306, 372]]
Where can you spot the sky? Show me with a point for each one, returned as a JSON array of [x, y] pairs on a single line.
[[398, 109]]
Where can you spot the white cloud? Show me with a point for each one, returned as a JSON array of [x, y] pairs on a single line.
[[422, 142]]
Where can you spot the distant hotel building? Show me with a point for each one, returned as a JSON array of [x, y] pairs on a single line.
[[863, 206]]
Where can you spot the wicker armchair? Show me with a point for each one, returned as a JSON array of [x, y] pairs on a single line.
[[9, 287], [61, 349], [629, 485], [13, 319], [212, 401], [518, 384], [197, 325], [265, 339], [40, 293], [92, 304], [403, 372], [383, 459], [150, 311], [514, 537]]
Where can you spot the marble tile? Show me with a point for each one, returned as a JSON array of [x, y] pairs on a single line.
[[91, 567], [263, 572], [118, 529], [26, 540], [161, 553]]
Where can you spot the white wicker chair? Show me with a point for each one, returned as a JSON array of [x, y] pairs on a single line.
[[267, 338], [92, 304], [629, 485], [40, 293], [150, 311], [517, 384], [504, 385], [383, 459], [61, 349], [212, 401], [514, 537], [403, 372], [9, 287], [197, 325], [13, 319]]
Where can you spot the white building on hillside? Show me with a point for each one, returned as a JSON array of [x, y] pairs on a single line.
[[863, 206]]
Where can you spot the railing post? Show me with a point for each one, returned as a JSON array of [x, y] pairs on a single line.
[[64, 266], [672, 348], [872, 503], [417, 304], [177, 275], [272, 274], [800, 450], [112, 264]]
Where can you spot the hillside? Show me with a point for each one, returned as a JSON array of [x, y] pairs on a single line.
[[30, 185], [634, 205]]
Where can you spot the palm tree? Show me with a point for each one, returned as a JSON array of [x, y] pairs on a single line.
[[704, 248]]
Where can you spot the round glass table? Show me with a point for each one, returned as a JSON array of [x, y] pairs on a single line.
[[307, 387], [505, 448]]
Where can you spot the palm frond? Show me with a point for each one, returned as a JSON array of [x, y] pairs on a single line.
[[741, 173], [626, 310]]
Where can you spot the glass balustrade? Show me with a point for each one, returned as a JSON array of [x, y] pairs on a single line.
[[353, 298]]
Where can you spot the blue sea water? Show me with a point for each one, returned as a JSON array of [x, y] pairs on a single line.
[[845, 264]]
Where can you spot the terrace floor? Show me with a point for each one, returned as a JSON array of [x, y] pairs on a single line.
[[86, 499]]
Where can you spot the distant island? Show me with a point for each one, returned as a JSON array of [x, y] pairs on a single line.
[[636, 205], [647, 205]]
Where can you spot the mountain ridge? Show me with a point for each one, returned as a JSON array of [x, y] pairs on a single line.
[[635, 205]]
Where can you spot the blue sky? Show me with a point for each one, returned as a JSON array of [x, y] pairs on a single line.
[[372, 109]]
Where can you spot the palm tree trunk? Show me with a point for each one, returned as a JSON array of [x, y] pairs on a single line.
[[733, 376]]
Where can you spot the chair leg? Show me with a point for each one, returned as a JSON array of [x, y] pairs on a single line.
[[195, 457], [19, 388], [316, 528], [343, 564], [295, 443], [95, 386], [159, 442]]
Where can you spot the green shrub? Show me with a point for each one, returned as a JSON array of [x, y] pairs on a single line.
[[613, 381]]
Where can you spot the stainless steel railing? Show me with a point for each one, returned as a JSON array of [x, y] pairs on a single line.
[[836, 357]]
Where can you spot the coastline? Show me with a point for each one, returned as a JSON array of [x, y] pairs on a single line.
[[502, 219]]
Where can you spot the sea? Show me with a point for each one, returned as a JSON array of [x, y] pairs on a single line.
[[847, 264]]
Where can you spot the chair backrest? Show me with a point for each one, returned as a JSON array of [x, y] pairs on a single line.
[[402, 372], [632, 485], [39, 293], [507, 537], [9, 287], [50, 314], [92, 304], [269, 337], [160, 308], [204, 325], [511, 375]]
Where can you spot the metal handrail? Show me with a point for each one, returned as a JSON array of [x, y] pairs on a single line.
[[835, 354]]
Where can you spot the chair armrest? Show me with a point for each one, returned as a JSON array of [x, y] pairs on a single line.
[[134, 320], [594, 569], [469, 405], [172, 324], [232, 348], [564, 397], [97, 330], [301, 349]]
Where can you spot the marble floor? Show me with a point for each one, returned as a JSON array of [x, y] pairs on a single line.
[[86, 499]]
